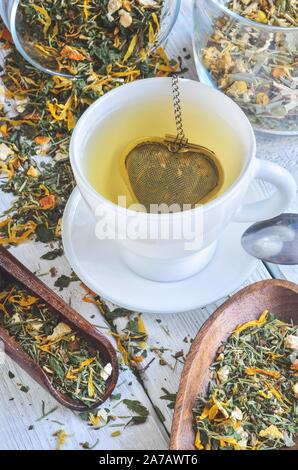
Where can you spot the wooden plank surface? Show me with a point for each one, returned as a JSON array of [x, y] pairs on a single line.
[[173, 332]]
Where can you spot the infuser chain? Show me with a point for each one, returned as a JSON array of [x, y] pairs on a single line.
[[176, 144]]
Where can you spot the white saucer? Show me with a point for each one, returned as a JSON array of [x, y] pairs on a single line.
[[99, 265]]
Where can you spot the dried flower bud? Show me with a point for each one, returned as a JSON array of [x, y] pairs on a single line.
[[113, 6], [125, 18], [278, 72], [291, 342], [262, 98], [223, 374], [147, 3]]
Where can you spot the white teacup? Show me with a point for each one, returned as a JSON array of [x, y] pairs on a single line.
[[171, 247]]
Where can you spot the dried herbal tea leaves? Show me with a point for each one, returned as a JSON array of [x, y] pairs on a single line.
[[252, 398], [82, 37], [170, 397], [72, 365], [45, 112], [256, 67], [273, 12], [85, 445], [37, 117]]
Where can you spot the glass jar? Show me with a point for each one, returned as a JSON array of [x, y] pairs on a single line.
[[19, 29], [253, 63]]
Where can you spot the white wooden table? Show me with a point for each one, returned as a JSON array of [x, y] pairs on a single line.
[[19, 410]]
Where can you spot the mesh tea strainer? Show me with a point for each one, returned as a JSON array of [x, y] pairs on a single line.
[[171, 171]]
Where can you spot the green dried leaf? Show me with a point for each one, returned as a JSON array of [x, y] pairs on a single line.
[[137, 407], [118, 313], [51, 255]]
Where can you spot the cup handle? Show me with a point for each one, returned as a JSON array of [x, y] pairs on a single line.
[[279, 202]]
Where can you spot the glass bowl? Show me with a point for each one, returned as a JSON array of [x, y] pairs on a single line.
[[253, 63], [14, 20]]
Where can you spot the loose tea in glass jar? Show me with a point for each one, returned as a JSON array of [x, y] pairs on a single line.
[[249, 50], [80, 37]]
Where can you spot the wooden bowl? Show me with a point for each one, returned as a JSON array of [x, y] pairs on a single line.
[[10, 266], [280, 297]]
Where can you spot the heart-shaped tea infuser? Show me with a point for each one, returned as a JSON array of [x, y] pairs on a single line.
[[171, 171]]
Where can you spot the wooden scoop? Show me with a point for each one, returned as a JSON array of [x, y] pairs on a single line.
[[280, 297], [11, 266]]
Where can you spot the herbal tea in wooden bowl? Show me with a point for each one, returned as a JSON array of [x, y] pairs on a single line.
[[52, 342], [239, 386]]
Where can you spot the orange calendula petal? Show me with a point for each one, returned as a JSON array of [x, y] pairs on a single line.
[[71, 122], [4, 310], [155, 19], [71, 53], [230, 440], [272, 432], [221, 407], [198, 443], [271, 373], [163, 55], [32, 171], [94, 420], [42, 140], [46, 20], [27, 230], [6, 35], [91, 389], [137, 359], [86, 11], [5, 222], [205, 413], [141, 326], [70, 375], [87, 362], [250, 324], [123, 351], [152, 35], [60, 436], [131, 48], [26, 301], [213, 412], [48, 202], [44, 189]]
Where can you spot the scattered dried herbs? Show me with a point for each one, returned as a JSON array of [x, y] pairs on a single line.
[[106, 417], [132, 340], [257, 68], [115, 396], [51, 255], [252, 399], [45, 413], [37, 116], [64, 281], [60, 438], [136, 407], [87, 446], [170, 397], [159, 413], [73, 366], [275, 12]]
